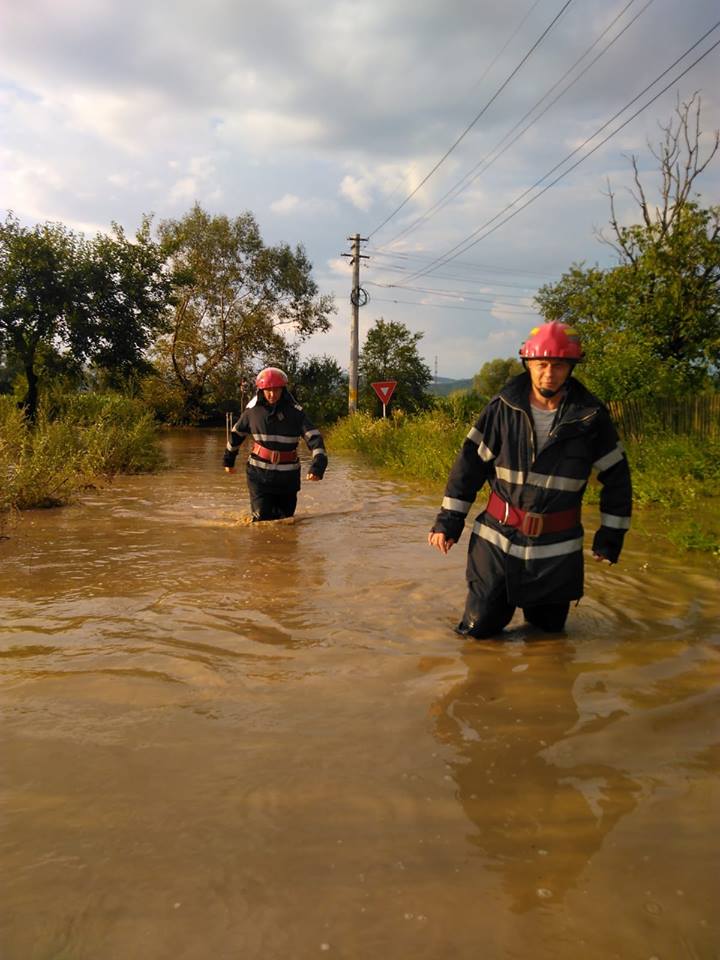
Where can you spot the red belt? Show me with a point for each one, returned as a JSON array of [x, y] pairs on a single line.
[[529, 523], [274, 456]]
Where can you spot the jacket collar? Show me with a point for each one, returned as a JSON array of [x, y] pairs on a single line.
[[577, 403]]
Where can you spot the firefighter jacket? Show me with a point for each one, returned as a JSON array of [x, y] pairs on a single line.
[[501, 449], [276, 428]]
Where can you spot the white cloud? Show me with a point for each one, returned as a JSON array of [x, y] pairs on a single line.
[[184, 189], [286, 204], [357, 192], [340, 267], [261, 131]]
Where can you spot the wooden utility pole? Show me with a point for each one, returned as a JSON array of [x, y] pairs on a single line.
[[358, 298]]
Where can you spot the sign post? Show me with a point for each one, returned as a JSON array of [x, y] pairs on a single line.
[[384, 389]]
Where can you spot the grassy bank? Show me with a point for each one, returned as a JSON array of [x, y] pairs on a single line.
[[84, 440], [671, 472]]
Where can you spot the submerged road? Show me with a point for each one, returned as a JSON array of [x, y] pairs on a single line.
[[224, 740]]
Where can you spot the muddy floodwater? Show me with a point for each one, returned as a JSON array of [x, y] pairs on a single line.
[[224, 740]]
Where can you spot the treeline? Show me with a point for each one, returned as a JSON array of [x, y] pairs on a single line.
[[183, 316]]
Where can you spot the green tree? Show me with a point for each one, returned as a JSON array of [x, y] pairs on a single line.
[[37, 274], [126, 293], [651, 324], [321, 386], [236, 300], [494, 375], [390, 352], [65, 300]]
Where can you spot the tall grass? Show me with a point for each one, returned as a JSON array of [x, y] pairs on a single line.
[[670, 471], [90, 439], [422, 447]]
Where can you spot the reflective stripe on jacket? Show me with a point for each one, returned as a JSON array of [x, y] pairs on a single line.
[[500, 450], [279, 427]]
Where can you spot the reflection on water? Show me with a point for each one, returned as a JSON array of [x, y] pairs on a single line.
[[233, 740], [538, 822]]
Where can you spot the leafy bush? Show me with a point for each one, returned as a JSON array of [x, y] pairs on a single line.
[[671, 471], [422, 447], [95, 436], [674, 470]]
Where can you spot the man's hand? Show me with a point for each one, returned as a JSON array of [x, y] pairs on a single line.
[[440, 542], [229, 469], [596, 556], [312, 476]]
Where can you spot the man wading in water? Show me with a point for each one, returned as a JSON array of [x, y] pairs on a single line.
[[535, 443], [276, 423]]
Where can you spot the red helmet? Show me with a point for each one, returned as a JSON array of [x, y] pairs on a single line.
[[271, 377], [552, 341]]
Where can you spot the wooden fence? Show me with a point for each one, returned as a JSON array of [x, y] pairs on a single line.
[[696, 416]]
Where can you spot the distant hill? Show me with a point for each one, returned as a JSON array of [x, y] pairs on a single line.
[[445, 386]]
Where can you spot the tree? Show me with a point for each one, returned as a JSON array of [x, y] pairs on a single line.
[[390, 352], [65, 300], [651, 324], [322, 387], [494, 375], [127, 291], [37, 269], [236, 298]]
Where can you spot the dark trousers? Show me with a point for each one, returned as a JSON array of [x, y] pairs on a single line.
[[271, 505], [487, 616]]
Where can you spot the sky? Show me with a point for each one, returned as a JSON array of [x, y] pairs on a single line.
[[419, 126]]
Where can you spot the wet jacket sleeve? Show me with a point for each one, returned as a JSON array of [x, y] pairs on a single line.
[[469, 472], [616, 495], [314, 440], [239, 432]]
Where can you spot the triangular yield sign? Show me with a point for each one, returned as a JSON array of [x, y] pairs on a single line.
[[384, 389]]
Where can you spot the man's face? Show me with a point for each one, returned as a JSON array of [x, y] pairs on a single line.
[[272, 394], [548, 374]]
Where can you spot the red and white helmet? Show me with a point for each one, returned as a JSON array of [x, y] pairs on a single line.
[[552, 341], [271, 377]]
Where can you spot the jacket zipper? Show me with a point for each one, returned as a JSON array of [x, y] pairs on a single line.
[[560, 423], [529, 423]]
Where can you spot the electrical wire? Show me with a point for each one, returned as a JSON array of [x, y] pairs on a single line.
[[458, 295], [442, 306], [470, 265], [498, 150], [475, 120], [480, 281], [477, 235]]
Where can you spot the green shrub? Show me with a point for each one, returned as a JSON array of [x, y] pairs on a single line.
[[94, 436], [422, 447], [670, 471], [674, 470]]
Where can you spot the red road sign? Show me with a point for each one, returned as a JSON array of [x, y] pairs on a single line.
[[384, 389]]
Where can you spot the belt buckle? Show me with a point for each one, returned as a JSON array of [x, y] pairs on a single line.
[[532, 524], [274, 456]]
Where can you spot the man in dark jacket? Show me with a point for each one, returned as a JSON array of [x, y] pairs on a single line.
[[276, 424], [535, 443]]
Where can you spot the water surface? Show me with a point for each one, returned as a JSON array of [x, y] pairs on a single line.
[[224, 740]]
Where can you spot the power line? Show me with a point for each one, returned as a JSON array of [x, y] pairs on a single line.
[[469, 295], [477, 235], [481, 281], [473, 122], [498, 150], [471, 265], [442, 306], [507, 43]]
